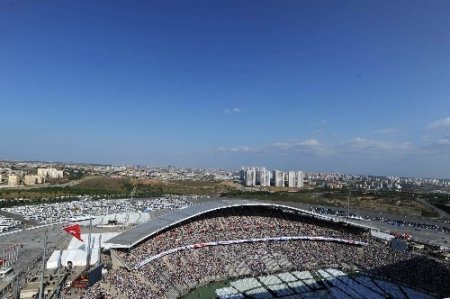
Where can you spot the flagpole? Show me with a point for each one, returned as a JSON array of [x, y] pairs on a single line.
[[41, 284], [88, 257], [58, 290], [61, 277], [8, 258], [100, 249], [59, 264], [16, 289]]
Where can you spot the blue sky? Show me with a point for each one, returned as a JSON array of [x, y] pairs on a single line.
[[348, 86]]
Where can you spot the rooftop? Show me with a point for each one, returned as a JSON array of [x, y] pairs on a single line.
[[140, 233]]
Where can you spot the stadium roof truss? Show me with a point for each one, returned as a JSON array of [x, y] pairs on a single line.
[[144, 231]]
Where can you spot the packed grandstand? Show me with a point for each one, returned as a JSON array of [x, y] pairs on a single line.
[[217, 241]]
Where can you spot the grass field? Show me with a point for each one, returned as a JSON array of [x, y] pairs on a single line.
[[392, 202], [213, 188], [206, 292], [441, 201], [97, 186], [104, 184]]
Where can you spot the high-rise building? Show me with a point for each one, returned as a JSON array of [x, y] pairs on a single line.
[[250, 177], [292, 179], [300, 179], [278, 178], [51, 173], [32, 179], [13, 180], [242, 174], [260, 176], [268, 177], [264, 177]]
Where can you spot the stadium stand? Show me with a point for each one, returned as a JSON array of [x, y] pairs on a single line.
[[179, 271]]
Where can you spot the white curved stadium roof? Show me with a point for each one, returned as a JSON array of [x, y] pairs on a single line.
[[138, 234]]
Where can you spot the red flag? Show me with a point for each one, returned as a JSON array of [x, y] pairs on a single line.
[[74, 230]]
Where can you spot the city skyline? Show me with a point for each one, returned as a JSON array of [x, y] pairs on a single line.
[[336, 87]]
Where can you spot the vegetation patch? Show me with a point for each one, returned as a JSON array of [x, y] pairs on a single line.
[[393, 202]]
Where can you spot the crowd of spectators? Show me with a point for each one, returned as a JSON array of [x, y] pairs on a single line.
[[181, 271], [118, 283], [96, 292], [237, 224]]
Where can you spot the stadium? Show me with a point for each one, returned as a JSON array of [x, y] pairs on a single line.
[[262, 250]]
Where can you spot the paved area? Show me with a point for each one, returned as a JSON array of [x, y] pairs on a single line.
[[31, 243], [422, 235]]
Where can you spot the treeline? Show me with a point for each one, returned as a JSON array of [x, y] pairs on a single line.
[[55, 192], [19, 197]]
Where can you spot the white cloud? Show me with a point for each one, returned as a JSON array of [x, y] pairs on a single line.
[[444, 141], [238, 149], [440, 124], [310, 142], [233, 110], [387, 131], [282, 145], [357, 146], [295, 143], [309, 146], [367, 146], [438, 148]]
